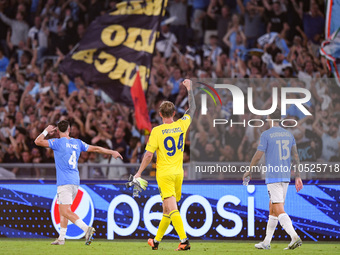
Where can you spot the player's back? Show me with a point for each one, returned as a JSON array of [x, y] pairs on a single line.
[[66, 155], [168, 140], [277, 142]]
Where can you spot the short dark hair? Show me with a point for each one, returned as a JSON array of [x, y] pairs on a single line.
[[103, 144], [167, 109], [63, 125], [276, 115], [76, 125], [11, 117]]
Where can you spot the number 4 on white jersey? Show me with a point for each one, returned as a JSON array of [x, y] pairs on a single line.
[[73, 160]]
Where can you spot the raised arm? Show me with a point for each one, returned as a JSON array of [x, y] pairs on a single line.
[[191, 99], [267, 5], [316, 128], [210, 11], [241, 6], [81, 6], [14, 143], [24, 94], [40, 140], [89, 118], [81, 125], [102, 150], [298, 8], [5, 19]]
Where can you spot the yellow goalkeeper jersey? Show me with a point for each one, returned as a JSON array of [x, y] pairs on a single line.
[[168, 141]]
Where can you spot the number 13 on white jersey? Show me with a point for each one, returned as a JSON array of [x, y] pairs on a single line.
[[284, 152]]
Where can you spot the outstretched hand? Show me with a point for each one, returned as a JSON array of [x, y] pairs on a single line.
[[116, 155]]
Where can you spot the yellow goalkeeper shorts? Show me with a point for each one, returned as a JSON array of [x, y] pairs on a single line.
[[170, 185]]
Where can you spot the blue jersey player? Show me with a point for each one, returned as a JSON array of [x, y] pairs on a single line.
[[279, 148], [66, 153]]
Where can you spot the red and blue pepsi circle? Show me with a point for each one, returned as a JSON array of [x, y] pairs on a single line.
[[82, 206]]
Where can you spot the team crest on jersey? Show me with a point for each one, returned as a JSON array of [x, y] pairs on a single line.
[[185, 118]]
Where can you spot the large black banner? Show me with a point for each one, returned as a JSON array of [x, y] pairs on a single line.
[[114, 45]]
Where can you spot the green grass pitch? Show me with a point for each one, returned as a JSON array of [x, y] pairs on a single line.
[[137, 247]]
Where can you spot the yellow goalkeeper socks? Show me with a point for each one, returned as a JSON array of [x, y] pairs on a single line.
[[163, 226], [178, 224]]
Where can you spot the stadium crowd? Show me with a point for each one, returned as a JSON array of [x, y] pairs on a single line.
[[252, 42]]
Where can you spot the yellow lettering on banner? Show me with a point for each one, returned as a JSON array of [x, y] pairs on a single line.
[[153, 9], [140, 39], [84, 55], [116, 69], [113, 35], [149, 8], [164, 9], [107, 65], [122, 71]]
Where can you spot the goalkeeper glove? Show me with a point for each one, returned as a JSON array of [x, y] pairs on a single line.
[[138, 183]]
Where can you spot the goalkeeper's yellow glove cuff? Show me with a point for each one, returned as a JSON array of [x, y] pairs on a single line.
[[142, 183]]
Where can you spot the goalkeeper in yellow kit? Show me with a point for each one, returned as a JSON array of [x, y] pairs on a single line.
[[168, 142]]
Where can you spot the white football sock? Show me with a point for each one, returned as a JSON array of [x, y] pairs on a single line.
[[62, 233], [80, 223], [271, 226], [287, 225]]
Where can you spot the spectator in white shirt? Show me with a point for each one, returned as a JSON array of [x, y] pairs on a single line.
[[212, 49], [166, 41], [18, 26], [52, 12], [38, 36]]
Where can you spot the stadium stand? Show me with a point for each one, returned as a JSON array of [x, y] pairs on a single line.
[[204, 39]]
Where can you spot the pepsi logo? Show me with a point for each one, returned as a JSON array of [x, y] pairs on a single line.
[[82, 206]]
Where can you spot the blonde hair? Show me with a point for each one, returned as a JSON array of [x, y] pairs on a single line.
[[167, 109]]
